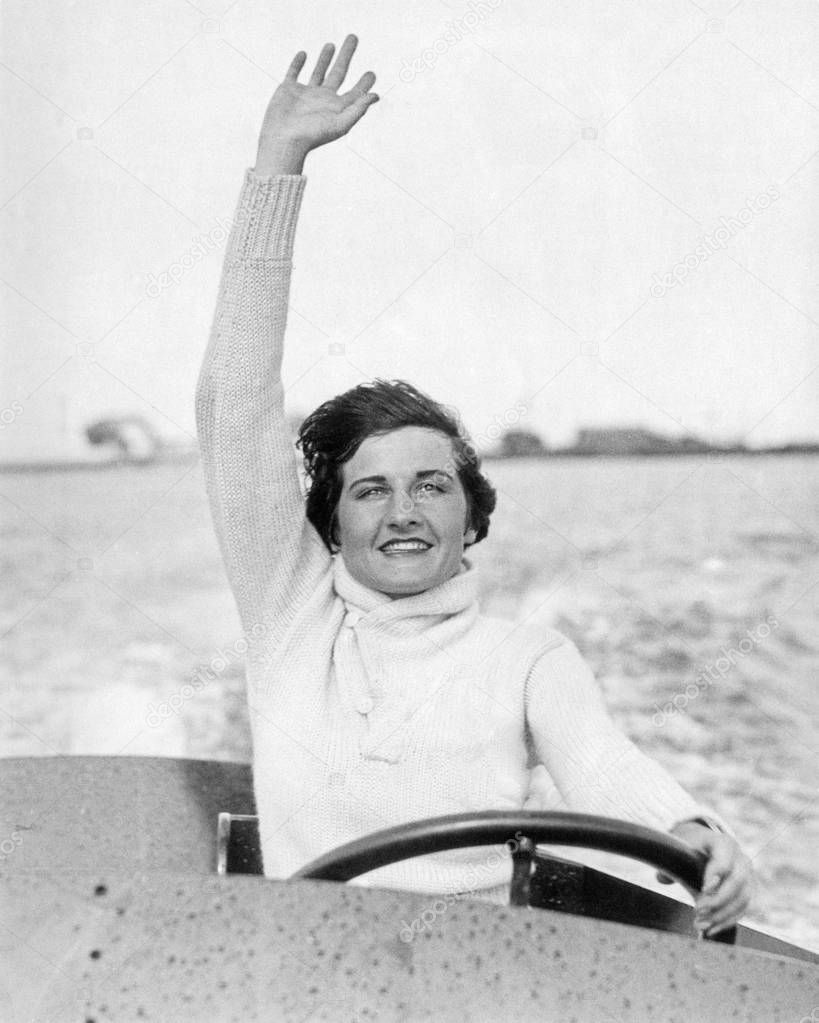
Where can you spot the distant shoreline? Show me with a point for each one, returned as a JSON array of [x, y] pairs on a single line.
[[181, 457], [192, 456], [807, 449]]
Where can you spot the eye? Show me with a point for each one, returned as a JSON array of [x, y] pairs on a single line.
[[430, 487], [370, 490]]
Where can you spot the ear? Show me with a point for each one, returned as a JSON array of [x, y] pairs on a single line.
[[469, 536]]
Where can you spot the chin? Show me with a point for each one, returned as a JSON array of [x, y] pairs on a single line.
[[406, 589], [397, 587]]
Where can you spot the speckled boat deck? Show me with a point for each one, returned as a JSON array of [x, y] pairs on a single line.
[[81, 947]]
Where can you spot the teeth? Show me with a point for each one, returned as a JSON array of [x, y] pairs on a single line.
[[405, 545]]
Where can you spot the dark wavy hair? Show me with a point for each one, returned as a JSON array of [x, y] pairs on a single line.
[[332, 434]]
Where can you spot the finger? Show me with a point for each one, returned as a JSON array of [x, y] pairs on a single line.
[[296, 64], [364, 84], [730, 918], [339, 69], [322, 64], [730, 901], [737, 885], [729, 914], [720, 879], [356, 110], [719, 866]]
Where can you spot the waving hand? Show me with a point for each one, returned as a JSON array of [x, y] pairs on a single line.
[[301, 117]]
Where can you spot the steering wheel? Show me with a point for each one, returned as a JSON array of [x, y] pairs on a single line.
[[520, 831]]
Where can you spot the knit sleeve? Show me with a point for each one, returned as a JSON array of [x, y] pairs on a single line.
[[595, 767], [272, 554]]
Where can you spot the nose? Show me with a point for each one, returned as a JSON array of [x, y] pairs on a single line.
[[402, 511]]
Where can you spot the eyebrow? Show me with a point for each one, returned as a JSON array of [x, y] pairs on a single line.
[[421, 474]]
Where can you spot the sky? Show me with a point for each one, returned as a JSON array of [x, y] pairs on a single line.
[[558, 215]]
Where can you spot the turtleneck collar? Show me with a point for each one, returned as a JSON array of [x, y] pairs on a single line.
[[447, 598]]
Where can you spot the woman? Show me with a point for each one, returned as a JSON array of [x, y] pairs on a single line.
[[378, 693]]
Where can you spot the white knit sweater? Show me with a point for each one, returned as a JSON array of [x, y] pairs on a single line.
[[368, 712]]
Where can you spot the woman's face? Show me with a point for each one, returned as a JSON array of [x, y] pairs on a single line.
[[403, 515]]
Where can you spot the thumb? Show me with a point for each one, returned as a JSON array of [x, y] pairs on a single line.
[[356, 110]]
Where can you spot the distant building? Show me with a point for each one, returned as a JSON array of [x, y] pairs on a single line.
[[521, 444], [130, 437], [633, 440], [47, 430]]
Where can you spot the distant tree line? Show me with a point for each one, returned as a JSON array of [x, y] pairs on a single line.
[[630, 440]]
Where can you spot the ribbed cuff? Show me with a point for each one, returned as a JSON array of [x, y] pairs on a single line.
[[264, 226]]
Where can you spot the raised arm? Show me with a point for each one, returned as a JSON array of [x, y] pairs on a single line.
[[272, 554]]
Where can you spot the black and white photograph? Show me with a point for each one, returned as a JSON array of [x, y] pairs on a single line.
[[409, 477]]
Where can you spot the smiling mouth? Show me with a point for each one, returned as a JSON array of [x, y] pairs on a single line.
[[411, 546]]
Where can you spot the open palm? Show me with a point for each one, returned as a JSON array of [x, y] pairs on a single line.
[[308, 116]]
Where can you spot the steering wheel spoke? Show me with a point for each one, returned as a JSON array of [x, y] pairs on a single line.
[[523, 855]]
